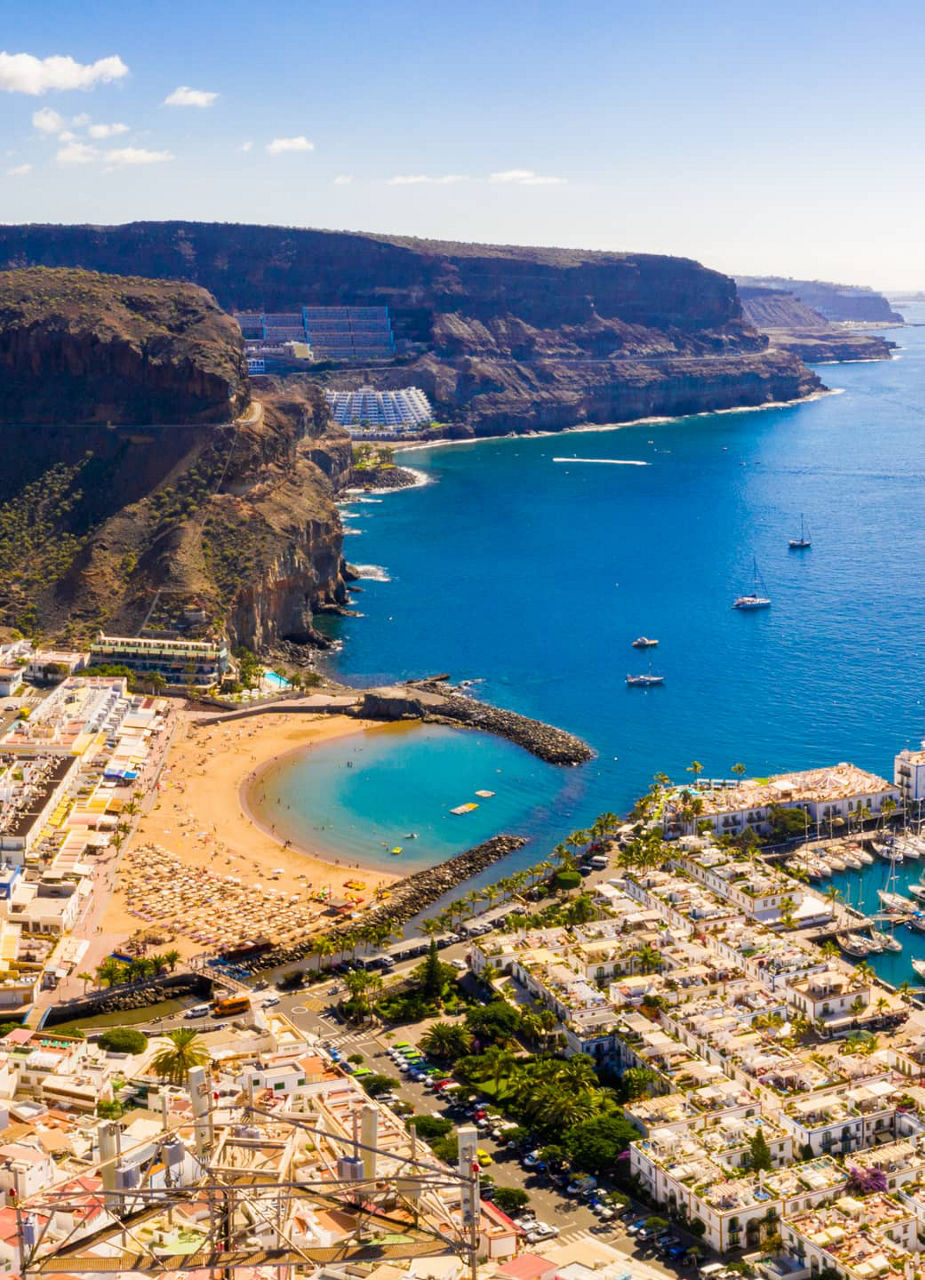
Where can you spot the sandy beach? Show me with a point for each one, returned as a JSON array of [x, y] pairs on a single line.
[[197, 852]]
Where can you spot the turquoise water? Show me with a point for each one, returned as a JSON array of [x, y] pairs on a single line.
[[359, 797], [532, 576]]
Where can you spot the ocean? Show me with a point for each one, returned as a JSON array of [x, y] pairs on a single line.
[[529, 564]]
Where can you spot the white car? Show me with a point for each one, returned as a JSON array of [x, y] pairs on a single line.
[[269, 1002], [543, 1231]]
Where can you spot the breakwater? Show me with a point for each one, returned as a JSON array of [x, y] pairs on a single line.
[[436, 704], [412, 895]]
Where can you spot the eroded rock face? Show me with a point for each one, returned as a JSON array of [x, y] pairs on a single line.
[[502, 338], [84, 348]]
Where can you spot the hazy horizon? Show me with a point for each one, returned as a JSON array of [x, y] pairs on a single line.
[[764, 142]]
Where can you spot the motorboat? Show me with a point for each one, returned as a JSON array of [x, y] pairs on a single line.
[[917, 891], [851, 859], [644, 682], [854, 945], [836, 861], [888, 852], [916, 922], [919, 967], [644, 642], [885, 941], [909, 849]]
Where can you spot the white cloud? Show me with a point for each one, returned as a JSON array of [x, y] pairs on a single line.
[[525, 178], [106, 130], [47, 121], [66, 136], [184, 96], [77, 153], [247, 146], [413, 179], [136, 155], [343, 180], [279, 146], [24, 73], [19, 171]]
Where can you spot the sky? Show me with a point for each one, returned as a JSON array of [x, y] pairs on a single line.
[[781, 138]]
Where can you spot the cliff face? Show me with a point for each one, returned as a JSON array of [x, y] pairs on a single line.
[[81, 347], [186, 524], [504, 338], [842, 303], [793, 326]]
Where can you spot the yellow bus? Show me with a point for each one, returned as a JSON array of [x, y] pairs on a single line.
[[229, 1005]]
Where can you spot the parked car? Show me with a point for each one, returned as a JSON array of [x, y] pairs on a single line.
[[269, 1002]]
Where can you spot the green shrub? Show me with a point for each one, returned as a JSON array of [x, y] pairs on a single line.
[[123, 1040], [567, 879]]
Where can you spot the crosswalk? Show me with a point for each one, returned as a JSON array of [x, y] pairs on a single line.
[[334, 1037]]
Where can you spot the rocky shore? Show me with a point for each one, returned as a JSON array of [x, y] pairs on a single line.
[[381, 478], [414, 894]]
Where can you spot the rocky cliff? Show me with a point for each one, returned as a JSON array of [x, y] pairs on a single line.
[[76, 346], [503, 338], [793, 326], [842, 303], [181, 522]]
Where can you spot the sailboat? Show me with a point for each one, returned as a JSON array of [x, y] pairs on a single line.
[[756, 600], [803, 541]]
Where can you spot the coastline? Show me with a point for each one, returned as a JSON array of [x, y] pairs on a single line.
[[197, 817], [251, 810], [582, 428]]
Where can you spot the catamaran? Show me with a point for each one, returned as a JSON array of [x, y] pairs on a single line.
[[803, 541], [755, 600]]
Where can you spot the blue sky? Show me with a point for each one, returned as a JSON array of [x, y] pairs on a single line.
[[780, 138]]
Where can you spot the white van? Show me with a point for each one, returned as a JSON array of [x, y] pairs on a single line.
[[198, 1011], [599, 862]]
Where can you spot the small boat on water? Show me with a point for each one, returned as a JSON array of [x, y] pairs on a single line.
[[397, 850], [888, 852], [644, 682], [916, 922], [851, 859], [854, 945], [917, 891], [819, 869], [836, 861], [894, 902], [758, 598], [644, 642], [919, 967], [909, 849], [804, 541], [885, 941], [866, 859]]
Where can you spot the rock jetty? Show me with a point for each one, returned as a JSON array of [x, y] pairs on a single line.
[[439, 704], [413, 894]]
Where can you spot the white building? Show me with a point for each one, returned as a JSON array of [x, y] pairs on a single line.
[[909, 775], [380, 411]]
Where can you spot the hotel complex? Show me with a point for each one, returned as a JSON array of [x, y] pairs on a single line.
[[380, 413]]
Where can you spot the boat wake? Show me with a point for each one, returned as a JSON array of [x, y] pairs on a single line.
[[611, 462], [372, 573]]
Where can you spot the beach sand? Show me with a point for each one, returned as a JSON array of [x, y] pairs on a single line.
[[198, 817]]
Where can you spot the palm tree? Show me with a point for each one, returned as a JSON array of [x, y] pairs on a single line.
[[158, 963], [887, 809], [430, 927], [447, 1040], [111, 971], [696, 768], [321, 945], [496, 1064], [172, 959], [649, 959], [184, 1050], [85, 978], [739, 770]]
